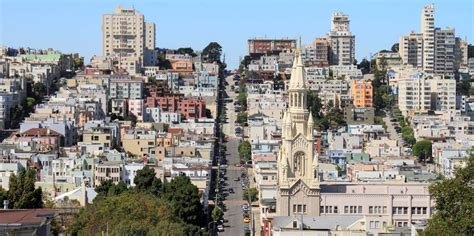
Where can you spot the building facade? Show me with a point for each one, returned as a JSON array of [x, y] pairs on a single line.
[[128, 38], [341, 41]]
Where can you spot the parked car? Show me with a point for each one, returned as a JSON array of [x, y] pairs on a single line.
[[246, 220], [245, 207], [220, 228], [231, 190], [236, 179]]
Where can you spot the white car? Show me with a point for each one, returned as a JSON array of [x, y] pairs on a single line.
[[220, 228]]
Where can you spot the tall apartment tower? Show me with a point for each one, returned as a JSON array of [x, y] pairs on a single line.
[[411, 49], [298, 186], [341, 41], [126, 37], [445, 44], [428, 31]]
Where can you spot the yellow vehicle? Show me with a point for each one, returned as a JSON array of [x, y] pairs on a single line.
[[246, 220]]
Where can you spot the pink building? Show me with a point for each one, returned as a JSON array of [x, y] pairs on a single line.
[[40, 139], [384, 204]]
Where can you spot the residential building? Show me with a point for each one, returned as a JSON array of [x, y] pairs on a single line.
[[126, 36], [341, 41], [108, 170], [421, 93], [263, 45], [411, 49], [428, 31], [361, 92]]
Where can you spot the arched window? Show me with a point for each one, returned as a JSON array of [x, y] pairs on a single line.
[[299, 163]]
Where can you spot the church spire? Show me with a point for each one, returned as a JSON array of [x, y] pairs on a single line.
[[297, 80]]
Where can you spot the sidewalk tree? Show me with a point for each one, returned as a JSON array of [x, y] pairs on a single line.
[[454, 199], [217, 214], [245, 151], [241, 117], [422, 149], [250, 193]]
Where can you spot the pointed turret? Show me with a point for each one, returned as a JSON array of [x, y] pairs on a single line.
[[310, 125], [297, 80]]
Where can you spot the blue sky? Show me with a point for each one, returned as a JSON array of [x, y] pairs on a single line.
[[75, 25]]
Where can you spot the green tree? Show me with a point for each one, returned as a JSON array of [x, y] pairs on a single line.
[[188, 51], [250, 193], [212, 53], [104, 187], [422, 149], [241, 117], [22, 192], [217, 214], [129, 214], [242, 99], [30, 102], [118, 188], [245, 151], [463, 87], [78, 63], [39, 90], [395, 47], [185, 199], [3, 196], [454, 199], [364, 66], [163, 63], [146, 181], [314, 105], [408, 134]]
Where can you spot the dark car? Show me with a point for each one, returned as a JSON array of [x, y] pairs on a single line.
[[231, 190]]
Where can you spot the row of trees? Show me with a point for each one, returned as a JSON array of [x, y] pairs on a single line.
[[149, 208]]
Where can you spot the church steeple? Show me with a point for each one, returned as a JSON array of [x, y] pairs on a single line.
[[298, 166]]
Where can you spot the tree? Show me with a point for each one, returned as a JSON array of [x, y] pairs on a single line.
[[242, 99], [422, 149], [39, 90], [463, 87], [3, 196], [245, 150], [78, 62], [22, 192], [408, 134], [163, 63], [212, 53], [241, 117], [30, 102], [395, 47], [454, 199], [146, 181], [185, 199], [217, 214], [188, 51], [130, 214], [250, 193], [364, 65]]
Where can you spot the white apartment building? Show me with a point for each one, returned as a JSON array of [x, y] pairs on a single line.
[[428, 31], [341, 41], [127, 37], [411, 49], [435, 50], [421, 93]]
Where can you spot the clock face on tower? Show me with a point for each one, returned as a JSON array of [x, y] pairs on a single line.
[[298, 163]]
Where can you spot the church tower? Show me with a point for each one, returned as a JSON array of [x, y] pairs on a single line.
[[298, 185]]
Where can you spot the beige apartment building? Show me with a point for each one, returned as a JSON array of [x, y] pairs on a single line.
[[128, 39], [421, 93], [109, 170], [341, 41], [139, 142], [435, 50]]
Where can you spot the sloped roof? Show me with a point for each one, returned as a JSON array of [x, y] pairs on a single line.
[[40, 132]]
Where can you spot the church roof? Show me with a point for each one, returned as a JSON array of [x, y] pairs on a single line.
[[297, 80], [316, 222]]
